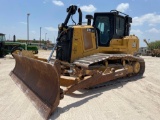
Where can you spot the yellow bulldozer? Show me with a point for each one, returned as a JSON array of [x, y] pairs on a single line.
[[87, 55]]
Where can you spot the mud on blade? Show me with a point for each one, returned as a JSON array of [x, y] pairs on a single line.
[[39, 81]]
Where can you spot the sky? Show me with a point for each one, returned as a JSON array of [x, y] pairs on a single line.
[[47, 14]]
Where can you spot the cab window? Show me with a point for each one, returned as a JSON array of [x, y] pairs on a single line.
[[120, 25], [2, 38], [103, 25]]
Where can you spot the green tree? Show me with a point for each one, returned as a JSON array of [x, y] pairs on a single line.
[[154, 45]]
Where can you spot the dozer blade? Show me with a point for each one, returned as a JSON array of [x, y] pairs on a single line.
[[39, 81]]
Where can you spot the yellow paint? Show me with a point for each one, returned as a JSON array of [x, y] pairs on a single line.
[[127, 45], [78, 49]]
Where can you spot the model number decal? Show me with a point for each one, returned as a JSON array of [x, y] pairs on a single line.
[[134, 44]]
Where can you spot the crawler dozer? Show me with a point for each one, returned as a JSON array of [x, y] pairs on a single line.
[[87, 55]]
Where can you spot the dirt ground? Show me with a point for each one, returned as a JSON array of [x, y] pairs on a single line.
[[137, 99]]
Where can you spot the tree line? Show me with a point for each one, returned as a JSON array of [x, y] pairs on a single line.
[[154, 45]]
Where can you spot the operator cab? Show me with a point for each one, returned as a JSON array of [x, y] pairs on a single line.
[[2, 37], [111, 25], [2, 40]]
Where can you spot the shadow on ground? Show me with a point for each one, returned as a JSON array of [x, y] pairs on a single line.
[[93, 93]]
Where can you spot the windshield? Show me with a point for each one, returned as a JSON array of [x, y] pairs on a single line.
[[2, 38], [102, 23]]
